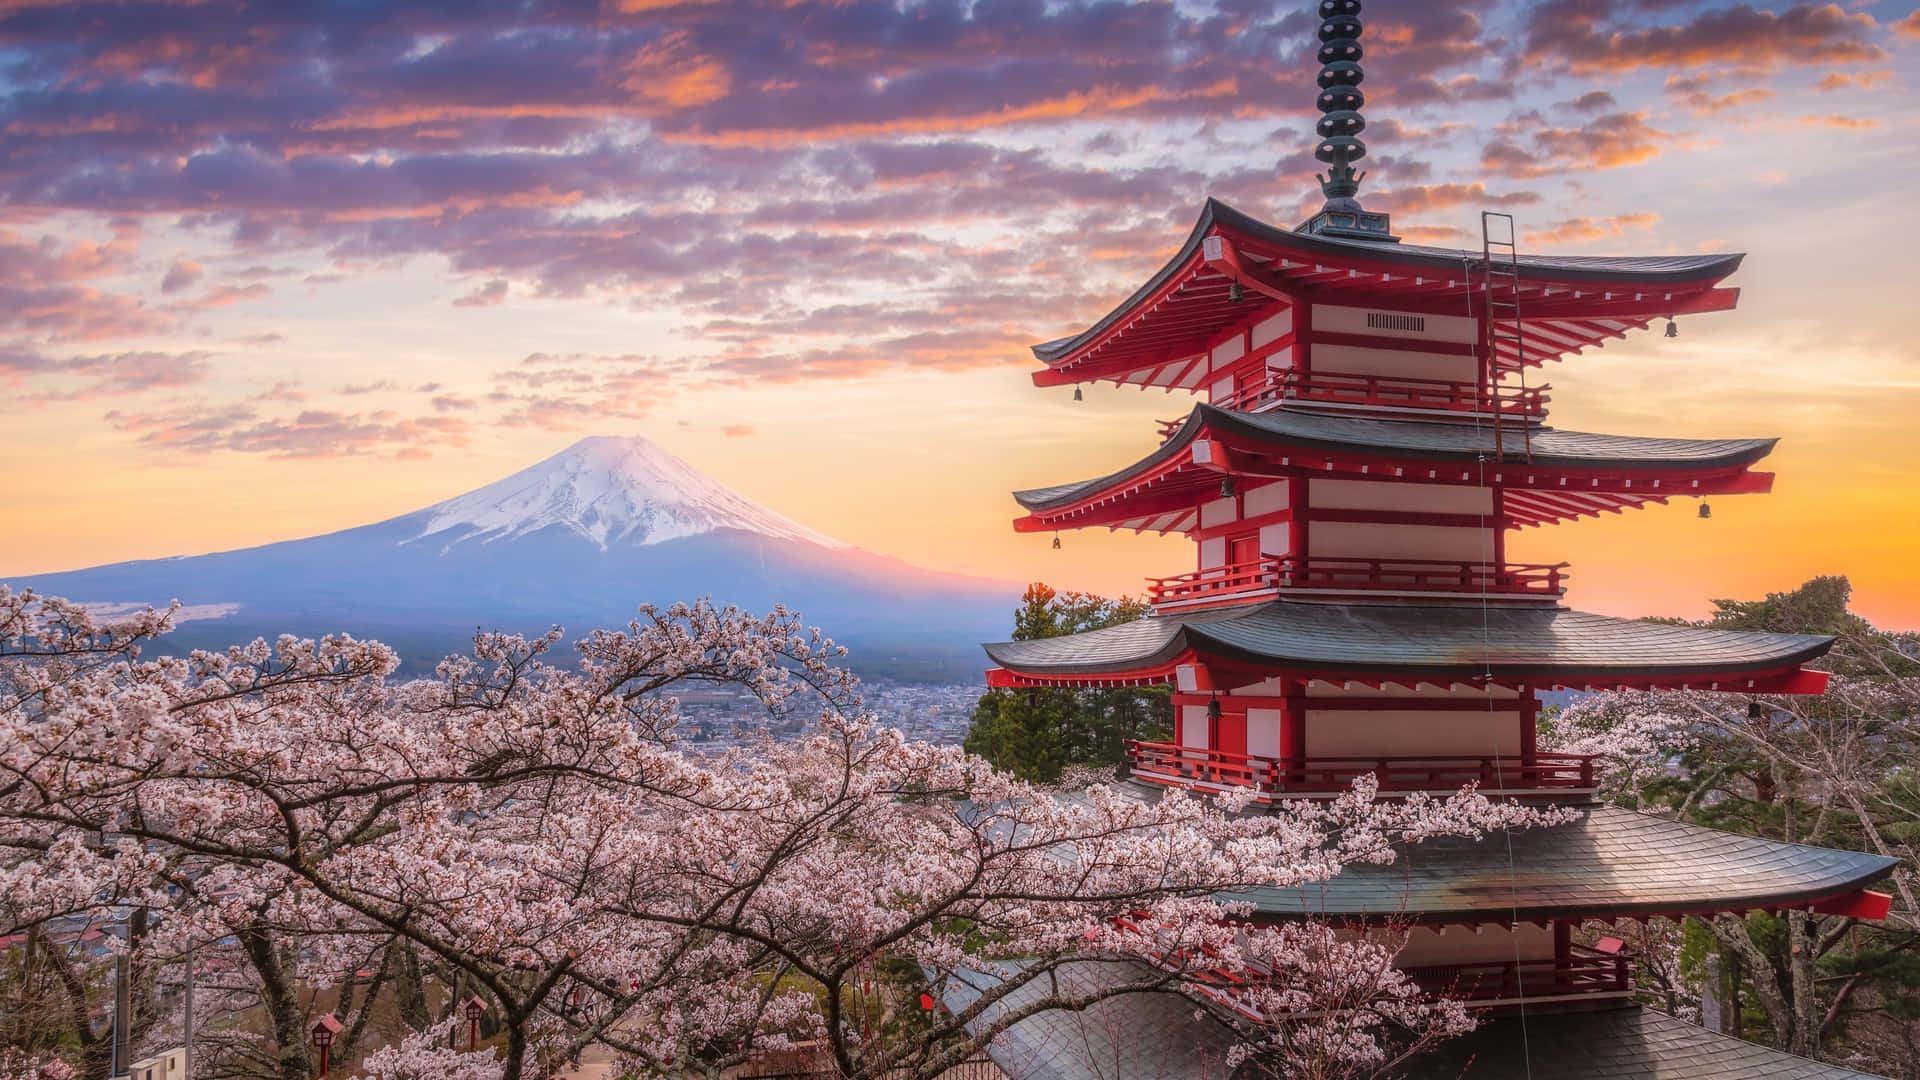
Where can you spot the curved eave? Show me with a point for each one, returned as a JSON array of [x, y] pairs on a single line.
[[1610, 863], [1387, 449], [1412, 644], [1660, 273]]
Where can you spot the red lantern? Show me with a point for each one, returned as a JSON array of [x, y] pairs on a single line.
[[475, 1007], [322, 1035], [926, 1001]]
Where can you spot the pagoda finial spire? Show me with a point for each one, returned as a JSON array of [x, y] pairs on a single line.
[[1340, 98], [1340, 126]]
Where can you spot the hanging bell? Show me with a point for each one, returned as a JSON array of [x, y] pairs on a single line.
[[1213, 708], [1056, 541], [1226, 487], [1755, 710], [1235, 293], [1706, 510], [1673, 328], [1076, 394]]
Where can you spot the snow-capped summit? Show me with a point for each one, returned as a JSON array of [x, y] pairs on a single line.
[[612, 491]]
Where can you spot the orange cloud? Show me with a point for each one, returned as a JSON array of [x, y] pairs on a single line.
[[1583, 230]]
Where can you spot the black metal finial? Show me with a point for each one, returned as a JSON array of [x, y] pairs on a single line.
[[1340, 98], [1339, 130]]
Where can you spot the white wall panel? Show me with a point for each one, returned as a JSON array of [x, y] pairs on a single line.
[[1391, 363], [1397, 733], [1336, 319], [1362, 540], [1263, 733], [1417, 498], [1266, 499], [1272, 328], [1193, 726]]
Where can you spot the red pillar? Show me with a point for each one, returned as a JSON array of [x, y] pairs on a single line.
[[1529, 734], [1293, 725]]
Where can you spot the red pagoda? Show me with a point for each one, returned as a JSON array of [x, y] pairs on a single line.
[[1368, 437]]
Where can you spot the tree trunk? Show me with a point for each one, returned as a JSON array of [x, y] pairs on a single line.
[[1732, 934], [282, 1003], [1806, 1004], [409, 990]]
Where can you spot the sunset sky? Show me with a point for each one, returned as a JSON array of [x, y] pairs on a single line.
[[274, 269]]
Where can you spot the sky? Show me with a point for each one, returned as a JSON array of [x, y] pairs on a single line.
[[269, 270]]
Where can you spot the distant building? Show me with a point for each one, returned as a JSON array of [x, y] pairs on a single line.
[[1368, 439]]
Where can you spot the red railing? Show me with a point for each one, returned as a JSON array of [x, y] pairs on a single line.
[[1220, 581], [1436, 575], [1169, 762], [1585, 972], [1359, 575], [1379, 391], [1333, 388]]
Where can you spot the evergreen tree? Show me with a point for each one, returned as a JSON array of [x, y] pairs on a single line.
[[1035, 733]]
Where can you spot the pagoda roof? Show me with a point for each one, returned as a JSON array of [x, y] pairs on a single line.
[[1412, 441], [1575, 300], [1622, 1043], [1166, 1036], [1607, 863], [1414, 643]]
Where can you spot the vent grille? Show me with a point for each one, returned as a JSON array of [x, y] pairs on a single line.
[[1380, 320]]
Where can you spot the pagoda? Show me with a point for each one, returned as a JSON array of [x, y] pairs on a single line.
[[1367, 438]]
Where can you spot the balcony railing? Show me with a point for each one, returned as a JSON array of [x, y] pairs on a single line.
[[1424, 575], [1184, 766], [1268, 573], [1464, 400], [1218, 583], [1585, 972]]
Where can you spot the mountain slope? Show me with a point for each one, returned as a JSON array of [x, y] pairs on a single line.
[[579, 540]]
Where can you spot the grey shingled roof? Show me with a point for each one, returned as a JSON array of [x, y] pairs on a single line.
[[1423, 441], [1623, 1043], [1649, 270], [1609, 862], [1146, 1036], [1159, 1037], [1413, 640]]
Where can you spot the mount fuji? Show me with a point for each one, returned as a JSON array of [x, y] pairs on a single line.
[[580, 540]]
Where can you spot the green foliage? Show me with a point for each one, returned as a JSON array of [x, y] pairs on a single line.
[[1036, 733]]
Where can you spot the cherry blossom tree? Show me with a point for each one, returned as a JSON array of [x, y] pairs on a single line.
[[538, 834], [1833, 769]]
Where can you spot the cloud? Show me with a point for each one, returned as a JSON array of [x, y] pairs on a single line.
[[1597, 36], [1581, 230], [1692, 91], [103, 374], [1841, 80], [309, 433], [1908, 26], [1612, 141], [486, 295], [736, 431], [180, 275], [1844, 123]]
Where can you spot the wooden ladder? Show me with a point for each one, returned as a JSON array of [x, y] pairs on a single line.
[[1500, 308]]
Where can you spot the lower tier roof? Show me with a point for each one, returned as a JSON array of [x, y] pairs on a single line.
[[1164, 1036], [1408, 641], [1607, 863]]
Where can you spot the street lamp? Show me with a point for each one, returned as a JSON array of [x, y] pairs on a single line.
[[322, 1035], [474, 1008]]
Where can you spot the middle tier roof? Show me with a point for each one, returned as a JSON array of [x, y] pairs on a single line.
[[1409, 644], [1566, 474]]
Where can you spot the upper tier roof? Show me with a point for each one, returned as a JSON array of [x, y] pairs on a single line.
[[1411, 643], [1667, 466], [1575, 300]]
